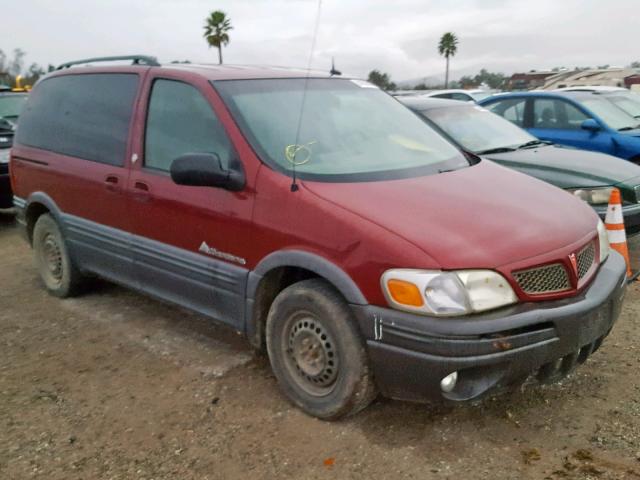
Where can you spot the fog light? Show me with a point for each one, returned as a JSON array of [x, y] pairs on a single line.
[[448, 383]]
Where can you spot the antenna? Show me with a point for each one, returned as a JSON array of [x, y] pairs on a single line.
[[333, 70], [296, 147]]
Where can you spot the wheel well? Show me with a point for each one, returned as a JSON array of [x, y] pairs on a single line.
[[635, 159], [268, 289], [31, 217]]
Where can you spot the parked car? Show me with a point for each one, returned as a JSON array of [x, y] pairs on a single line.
[[10, 106], [579, 119], [359, 245], [471, 96], [588, 175]]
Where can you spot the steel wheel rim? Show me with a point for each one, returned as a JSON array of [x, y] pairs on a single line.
[[311, 356], [51, 258]]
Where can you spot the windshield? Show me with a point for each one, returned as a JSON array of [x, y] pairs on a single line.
[[11, 105], [627, 101], [477, 129], [613, 116], [349, 130]]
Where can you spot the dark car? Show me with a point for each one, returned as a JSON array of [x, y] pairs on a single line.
[[355, 243], [583, 119], [11, 105], [588, 175]]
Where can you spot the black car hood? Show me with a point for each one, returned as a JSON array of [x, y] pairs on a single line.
[[569, 167]]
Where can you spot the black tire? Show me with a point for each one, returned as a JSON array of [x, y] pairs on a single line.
[[57, 271], [316, 351]]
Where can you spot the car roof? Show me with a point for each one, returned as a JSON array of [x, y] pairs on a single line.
[[590, 88], [538, 93], [422, 103], [210, 72]]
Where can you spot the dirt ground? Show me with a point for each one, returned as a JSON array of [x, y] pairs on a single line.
[[112, 385]]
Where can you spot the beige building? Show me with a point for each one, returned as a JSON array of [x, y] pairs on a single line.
[[611, 77]]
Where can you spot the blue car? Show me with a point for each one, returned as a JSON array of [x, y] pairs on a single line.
[[584, 120]]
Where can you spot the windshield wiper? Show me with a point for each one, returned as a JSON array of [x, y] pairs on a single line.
[[626, 129], [496, 150], [533, 143]]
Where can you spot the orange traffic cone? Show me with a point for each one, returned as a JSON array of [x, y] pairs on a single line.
[[615, 227]]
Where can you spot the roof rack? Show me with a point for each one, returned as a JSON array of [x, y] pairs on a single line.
[[136, 60]]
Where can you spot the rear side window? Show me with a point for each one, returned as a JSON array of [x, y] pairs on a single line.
[[511, 109], [180, 121], [85, 116]]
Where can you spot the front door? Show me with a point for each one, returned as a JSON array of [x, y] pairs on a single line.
[[188, 241], [560, 122]]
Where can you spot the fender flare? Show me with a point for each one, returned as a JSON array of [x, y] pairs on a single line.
[[294, 258], [309, 261], [47, 201]]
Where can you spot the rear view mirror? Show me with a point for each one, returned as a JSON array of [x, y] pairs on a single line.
[[205, 170], [590, 124]]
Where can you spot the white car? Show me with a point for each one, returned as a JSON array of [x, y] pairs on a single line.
[[451, 94]]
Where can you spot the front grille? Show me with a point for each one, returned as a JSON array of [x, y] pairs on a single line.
[[585, 259], [547, 279]]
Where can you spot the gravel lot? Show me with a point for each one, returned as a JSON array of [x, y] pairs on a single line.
[[113, 385]]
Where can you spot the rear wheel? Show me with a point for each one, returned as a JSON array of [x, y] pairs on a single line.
[[56, 269], [316, 351]]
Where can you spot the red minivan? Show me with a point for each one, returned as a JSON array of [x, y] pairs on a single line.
[[321, 218]]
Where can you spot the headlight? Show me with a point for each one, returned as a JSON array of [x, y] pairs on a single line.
[[446, 293], [4, 155], [603, 239], [593, 196]]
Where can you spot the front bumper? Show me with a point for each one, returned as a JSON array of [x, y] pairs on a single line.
[[410, 354]]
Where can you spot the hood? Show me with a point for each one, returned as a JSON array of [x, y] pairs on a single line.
[[569, 167], [483, 216]]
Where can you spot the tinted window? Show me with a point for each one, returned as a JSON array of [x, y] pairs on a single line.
[[511, 109], [84, 116], [442, 95], [556, 114], [180, 121]]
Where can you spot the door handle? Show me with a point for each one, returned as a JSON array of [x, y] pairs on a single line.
[[141, 191], [112, 183]]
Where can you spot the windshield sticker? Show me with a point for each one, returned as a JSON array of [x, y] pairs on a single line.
[[363, 83]]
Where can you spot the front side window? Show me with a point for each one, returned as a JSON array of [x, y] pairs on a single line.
[[180, 121], [336, 130], [549, 113], [477, 129], [512, 109], [86, 116]]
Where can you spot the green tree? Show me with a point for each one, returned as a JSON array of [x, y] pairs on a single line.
[[635, 64], [448, 47], [216, 31], [382, 80]]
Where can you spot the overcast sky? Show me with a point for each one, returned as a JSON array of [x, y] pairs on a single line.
[[399, 37]]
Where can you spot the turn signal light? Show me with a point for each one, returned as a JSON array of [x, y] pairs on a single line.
[[405, 293]]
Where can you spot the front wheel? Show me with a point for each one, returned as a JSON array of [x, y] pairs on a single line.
[[316, 351]]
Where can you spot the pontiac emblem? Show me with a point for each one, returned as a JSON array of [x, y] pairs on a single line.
[[574, 263]]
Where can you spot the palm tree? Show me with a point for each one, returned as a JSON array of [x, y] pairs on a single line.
[[216, 31], [448, 47]]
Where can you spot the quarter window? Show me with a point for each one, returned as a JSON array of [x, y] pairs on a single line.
[[180, 121], [84, 116]]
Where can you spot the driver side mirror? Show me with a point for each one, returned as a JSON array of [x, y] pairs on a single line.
[[590, 125], [205, 170]]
